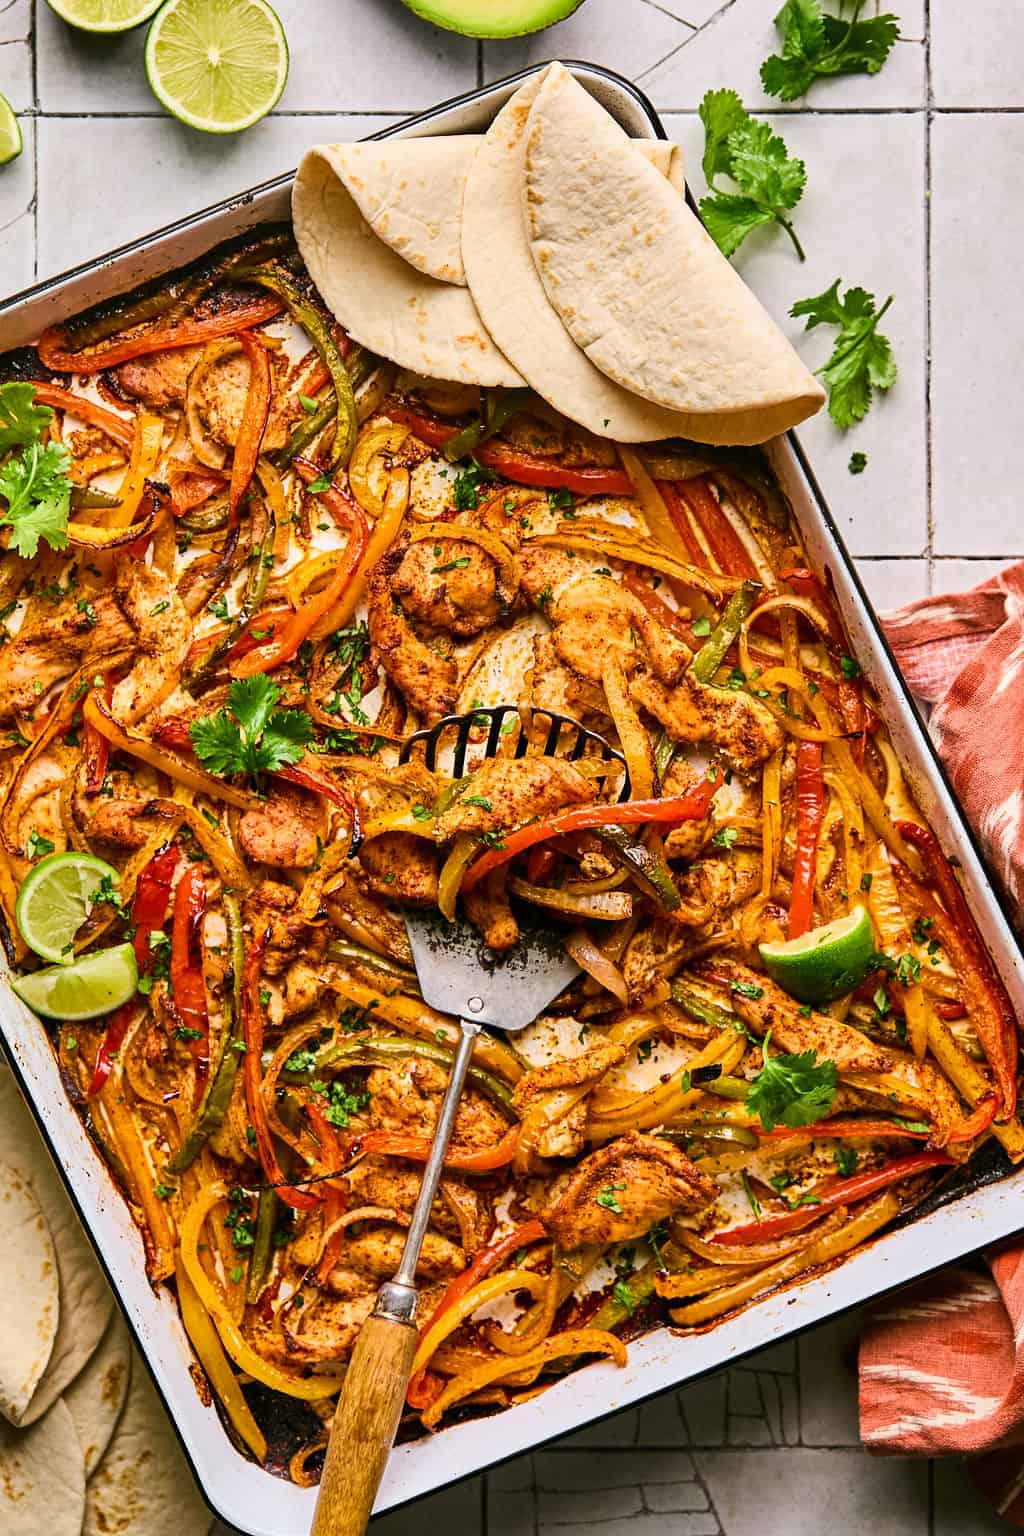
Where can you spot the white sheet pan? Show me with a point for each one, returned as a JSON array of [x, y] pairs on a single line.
[[242, 1492]]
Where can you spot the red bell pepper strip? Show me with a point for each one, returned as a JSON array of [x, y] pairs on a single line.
[[119, 429], [254, 422], [723, 540], [149, 913], [285, 645], [633, 813], [158, 338], [252, 1025], [658, 609], [266, 624], [193, 489], [491, 1257], [417, 1149], [669, 492], [810, 813], [984, 994], [539, 864], [189, 988], [336, 1198], [844, 1126], [829, 1195], [511, 463]]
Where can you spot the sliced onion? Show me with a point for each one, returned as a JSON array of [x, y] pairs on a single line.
[[590, 959]]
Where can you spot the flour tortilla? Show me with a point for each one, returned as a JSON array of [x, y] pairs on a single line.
[[410, 191], [511, 299], [42, 1477], [143, 1485], [28, 1282], [381, 299], [86, 1303], [97, 1395], [642, 288]]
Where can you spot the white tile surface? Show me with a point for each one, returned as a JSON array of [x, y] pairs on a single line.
[[962, 575], [630, 36], [976, 54], [17, 216], [977, 166], [891, 583]]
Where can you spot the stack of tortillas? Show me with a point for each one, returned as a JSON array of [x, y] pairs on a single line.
[[554, 252], [85, 1446]]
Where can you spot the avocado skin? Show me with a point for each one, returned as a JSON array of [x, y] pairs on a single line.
[[493, 18]]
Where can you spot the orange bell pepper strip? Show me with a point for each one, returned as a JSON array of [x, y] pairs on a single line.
[[252, 1026], [829, 1195], [119, 429], [417, 1149], [229, 321], [149, 912], [491, 1257], [254, 422], [633, 813], [285, 645], [189, 988], [193, 489], [336, 1198], [511, 463], [810, 813], [96, 749], [843, 1126], [260, 628], [725, 544]]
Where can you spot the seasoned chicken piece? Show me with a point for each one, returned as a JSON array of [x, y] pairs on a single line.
[[714, 887], [554, 686], [426, 680], [287, 831], [303, 988], [450, 585], [566, 1111], [655, 951], [36, 807], [116, 818], [407, 1098], [159, 378], [351, 908], [67, 637], [401, 867], [487, 908], [221, 394], [318, 1335], [688, 839], [378, 1249], [622, 1190], [272, 905], [741, 726], [162, 636], [505, 791]]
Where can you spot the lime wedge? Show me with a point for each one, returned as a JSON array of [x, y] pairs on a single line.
[[217, 65], [104, 15], [824, 963], [10, 132], [55, 899], [93, 985]]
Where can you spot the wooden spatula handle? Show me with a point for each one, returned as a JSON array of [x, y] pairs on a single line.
[[364, 1426]]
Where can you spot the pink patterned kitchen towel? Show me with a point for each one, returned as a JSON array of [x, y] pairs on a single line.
[[942, 1364]]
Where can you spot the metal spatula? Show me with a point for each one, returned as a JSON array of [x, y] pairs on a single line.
[[460, 975]]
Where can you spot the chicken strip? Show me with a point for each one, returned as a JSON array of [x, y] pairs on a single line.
[[68, 636], [564, 1135], [487, 907], [505, 791], [287, 831], [741, 726], [162, 636], [451, 585], [272, 905], [401, 867], [622, 1190], [159, 378], [426, 680]]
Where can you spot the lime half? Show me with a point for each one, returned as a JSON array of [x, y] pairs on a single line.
[[92, 986], [824, 963], [55, 899], [105, 15], [217, 65], [10, 132]]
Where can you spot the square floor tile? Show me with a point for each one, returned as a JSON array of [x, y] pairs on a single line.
[[17, 217], [890, 584], [976, 54], [16, 72], [977, 333], [962, 575], [805, 1492], [872, 235], [629, 36]]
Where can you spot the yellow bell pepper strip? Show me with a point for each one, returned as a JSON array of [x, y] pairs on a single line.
[[124, 739], [286, 644], [580, 1341], [207, 1345], [423, 1386], [312, 1388], [228, 321], [692, 806]]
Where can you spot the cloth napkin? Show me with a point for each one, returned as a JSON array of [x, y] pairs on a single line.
[[942, 1363]]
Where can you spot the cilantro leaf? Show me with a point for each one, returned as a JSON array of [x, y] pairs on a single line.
[[286, 735], [250, 735], [22, 422], [769, 181], [861, 359], [36, 487], [817, 45], [217, 742], [251, 700], [792, 1090]]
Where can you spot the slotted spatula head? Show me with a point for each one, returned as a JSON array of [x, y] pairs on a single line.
[[458, 972]]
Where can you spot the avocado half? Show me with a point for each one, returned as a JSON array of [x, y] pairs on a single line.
[[493, 18]]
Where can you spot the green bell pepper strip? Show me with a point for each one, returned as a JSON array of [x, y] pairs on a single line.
[[305, 313], [704, 1012], [383, 1050], [712, 653], [612, 1312], [348, 949], [649, 871], [215, 1101], [256, 583], [499, 405]]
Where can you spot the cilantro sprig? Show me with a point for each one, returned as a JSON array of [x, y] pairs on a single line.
[[861, 359], [816, 45], [792, 1090], [770, 181], [251, 735], [34, 477]]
